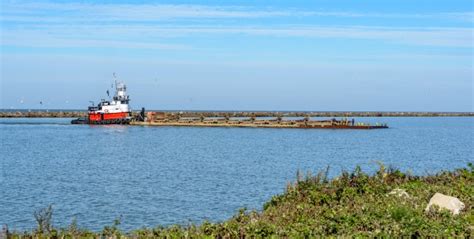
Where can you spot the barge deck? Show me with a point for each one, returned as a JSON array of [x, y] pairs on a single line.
[[257, 123]]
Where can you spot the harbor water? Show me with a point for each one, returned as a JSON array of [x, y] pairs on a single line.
[[148, 176]]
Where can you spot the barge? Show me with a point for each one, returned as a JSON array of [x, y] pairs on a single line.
[[171, 119]]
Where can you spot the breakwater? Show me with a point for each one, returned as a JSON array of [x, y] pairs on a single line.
[[317, 114], [171, 114], [42, 114]]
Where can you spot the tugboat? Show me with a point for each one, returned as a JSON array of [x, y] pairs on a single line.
[[116, 111]]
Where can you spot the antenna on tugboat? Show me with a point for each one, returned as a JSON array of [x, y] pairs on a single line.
[[115, 80]]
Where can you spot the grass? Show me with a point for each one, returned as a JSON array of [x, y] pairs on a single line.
[[354, 204]]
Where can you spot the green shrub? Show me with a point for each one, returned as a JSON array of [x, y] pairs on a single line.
[[354, 204]]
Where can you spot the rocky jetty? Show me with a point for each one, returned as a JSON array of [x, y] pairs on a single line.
[[314, 114], [42, 114], [249, 114]]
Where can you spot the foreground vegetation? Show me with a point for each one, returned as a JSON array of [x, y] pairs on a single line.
[[353, 204]]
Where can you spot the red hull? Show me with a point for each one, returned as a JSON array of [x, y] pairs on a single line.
[[95, 117]]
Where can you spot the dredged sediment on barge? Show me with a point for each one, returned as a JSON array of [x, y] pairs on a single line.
[[153, 120]]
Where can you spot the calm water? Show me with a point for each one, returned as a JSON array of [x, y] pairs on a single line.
[[149, 176]]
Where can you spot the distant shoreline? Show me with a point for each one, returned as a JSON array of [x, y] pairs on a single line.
[[81, 113]]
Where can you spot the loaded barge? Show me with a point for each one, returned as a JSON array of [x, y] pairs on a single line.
[[118, 111], [171, 119]]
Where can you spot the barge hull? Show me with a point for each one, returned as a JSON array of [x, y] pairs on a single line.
[[250, 125]]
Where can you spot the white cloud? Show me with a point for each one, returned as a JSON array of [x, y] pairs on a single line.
[[45, 24], [131, 12], [152, 37], [40, 40], [87, 12]]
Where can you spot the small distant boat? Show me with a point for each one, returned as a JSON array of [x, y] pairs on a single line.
[[115, 111]]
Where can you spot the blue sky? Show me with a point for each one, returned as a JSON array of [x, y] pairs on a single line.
[[240, 55]]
